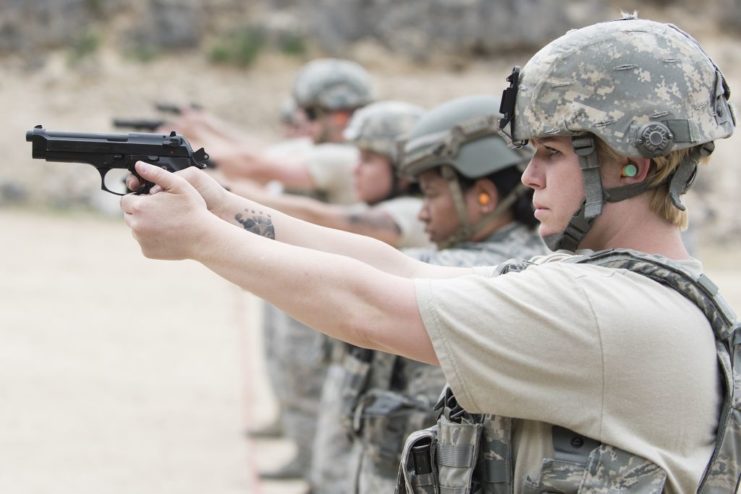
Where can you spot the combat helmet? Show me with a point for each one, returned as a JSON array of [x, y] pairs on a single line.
[[378, 126], [643, 87], [462, 137], [332, 84]]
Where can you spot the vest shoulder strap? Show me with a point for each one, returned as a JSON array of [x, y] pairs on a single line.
[[723, 473]]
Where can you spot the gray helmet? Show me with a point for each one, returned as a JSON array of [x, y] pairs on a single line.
[[462, 137], [463, 134], [378, 126], [332, 84], [288, 111], [644, 87]]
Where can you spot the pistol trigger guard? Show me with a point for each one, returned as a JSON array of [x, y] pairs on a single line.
[[103, 172], [200, 157]]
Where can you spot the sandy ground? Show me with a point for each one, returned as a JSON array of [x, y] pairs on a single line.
[[119, 374]]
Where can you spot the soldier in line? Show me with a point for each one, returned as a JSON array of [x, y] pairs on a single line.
[[606, 366], [388, 207], [478, 213], [326, 93], [388, 214]]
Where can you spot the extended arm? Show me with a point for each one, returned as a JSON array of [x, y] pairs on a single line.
[[258, 218], [338, 295], [236, 155], [372, 222]]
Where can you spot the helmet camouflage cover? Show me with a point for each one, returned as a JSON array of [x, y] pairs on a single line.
[[644, 87], [378, 126], [332, 84]]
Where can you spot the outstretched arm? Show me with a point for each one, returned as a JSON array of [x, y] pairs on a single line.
[[257, 218], [239, 157], [373, 222], [340, 296]]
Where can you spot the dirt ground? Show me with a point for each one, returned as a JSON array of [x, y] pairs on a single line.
[[123, 375]]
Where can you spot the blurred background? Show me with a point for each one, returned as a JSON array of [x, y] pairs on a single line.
[[119, 374]]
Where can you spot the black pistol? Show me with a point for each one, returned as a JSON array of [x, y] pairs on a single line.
[[174, 109], [108, 152], [139, 124]]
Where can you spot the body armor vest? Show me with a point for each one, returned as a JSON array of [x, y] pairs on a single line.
[[378, 407], [472, 453]]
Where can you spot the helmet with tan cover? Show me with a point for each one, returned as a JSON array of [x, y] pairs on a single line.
[[378, 126], [645, 88], [332, 84]]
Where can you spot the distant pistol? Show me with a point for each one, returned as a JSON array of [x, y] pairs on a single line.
[[175, 109], [139, 124], [108, 152]]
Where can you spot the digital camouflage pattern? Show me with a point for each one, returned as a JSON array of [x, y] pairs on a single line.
[[514, 241], [332, 84], [331, 459], [377, 126], [400, 392], [607, 469], [295, 358], [644, 87]]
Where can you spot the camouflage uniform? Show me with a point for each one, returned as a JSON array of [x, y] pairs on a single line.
[[296, 356], [374, 128], [400, 393], [386, 397], [646, 89]]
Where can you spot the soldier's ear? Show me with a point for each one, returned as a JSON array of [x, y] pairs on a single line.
[[341, 118], [635, 170], [485, 194]]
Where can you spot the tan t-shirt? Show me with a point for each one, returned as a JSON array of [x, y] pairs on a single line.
[[331, 168], [607, 353]]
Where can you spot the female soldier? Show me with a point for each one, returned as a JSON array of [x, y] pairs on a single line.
[[387, 210], [388, 213], [478, 213], [598, 372]]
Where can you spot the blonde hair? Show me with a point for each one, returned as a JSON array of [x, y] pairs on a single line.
[[662, 168]]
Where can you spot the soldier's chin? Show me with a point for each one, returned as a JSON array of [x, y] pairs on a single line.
[[548, 231]]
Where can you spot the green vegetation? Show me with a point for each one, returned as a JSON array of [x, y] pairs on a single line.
[[95, 7], [240, 47], [83, 47], [292, 44], [142, 52]]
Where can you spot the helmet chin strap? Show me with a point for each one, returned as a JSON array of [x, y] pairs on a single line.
[[596, 196], [579, 224], [466, 230]]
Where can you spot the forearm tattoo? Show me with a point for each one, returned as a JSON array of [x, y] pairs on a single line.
[[374, 220], [257, 222]]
